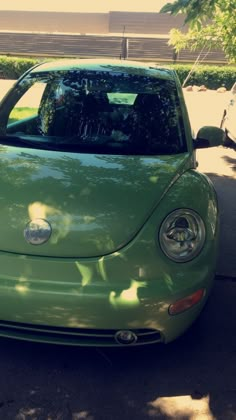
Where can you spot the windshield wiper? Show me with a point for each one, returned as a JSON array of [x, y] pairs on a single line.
[[29, 141]]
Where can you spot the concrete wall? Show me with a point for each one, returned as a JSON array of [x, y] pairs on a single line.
[[85, 23], [144, 23], [94, 23]]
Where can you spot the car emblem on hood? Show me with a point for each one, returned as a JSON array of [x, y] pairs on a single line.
[[37, 231]]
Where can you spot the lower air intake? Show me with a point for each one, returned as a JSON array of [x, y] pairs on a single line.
[[78, 336]]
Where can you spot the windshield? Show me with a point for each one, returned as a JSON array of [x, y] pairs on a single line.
[[94, 112]]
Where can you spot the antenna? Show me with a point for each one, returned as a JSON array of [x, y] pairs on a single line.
[[197, 61], [124, 46]]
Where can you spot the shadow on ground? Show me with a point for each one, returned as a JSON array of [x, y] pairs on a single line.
[[219, 164], [231, 162], [226, 188], [191, 378]]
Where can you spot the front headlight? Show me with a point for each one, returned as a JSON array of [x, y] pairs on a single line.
[[182, 235]]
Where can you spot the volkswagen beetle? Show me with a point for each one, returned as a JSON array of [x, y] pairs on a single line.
[[109, 234]]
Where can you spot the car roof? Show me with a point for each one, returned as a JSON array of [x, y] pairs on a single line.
[[106, 65]]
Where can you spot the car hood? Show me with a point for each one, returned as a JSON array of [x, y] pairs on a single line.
[[94, 204]]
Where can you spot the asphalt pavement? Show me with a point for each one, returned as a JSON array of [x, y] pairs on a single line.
[[192, 378]]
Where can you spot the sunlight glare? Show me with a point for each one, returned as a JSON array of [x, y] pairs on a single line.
[[182, 406], [129, 297]]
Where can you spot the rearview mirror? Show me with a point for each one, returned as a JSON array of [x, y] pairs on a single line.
[[209, 136]]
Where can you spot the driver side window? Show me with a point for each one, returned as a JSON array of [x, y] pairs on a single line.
[[24, 116]]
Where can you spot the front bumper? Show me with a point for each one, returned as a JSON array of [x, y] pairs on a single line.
[[86, 301], [75, 336], [74, 302]]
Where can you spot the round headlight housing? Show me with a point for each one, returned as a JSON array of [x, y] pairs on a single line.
[[182, 235]]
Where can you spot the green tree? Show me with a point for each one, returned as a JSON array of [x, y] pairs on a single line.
[[211, 24]]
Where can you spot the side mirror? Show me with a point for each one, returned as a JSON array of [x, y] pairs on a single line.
[[209, 136]]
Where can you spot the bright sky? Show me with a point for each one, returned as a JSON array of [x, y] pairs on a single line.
[[84, 5]]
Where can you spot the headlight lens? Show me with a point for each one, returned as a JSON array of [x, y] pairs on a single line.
[[182, 235]]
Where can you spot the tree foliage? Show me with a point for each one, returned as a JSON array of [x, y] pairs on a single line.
[[211, 23]]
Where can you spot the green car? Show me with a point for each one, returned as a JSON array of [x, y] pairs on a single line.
[[109, 234]]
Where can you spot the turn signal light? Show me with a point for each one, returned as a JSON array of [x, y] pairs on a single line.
[[186, 303]]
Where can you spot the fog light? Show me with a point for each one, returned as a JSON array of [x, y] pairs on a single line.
[[186, 303], [125, 337]]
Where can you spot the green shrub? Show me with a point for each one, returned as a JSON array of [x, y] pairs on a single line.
[[211, 76], [14, 67]]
